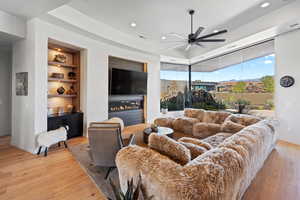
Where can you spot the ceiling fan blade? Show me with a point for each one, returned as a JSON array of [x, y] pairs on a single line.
[[212, 34], [188, 47], [199, 30], [174, 41], [212, 40], [177, 36], [200, 45]]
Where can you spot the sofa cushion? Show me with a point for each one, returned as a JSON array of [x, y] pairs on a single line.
[[203, 130], [184, 124], [194, 149], [231, 127], [221, 186], [235, 123], [217, 139], [195, 141], [169, 147], [194, 113], [164, 122], [215, 117]]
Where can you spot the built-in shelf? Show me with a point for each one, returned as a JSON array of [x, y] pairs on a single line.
[[61, 95], [61, 80], [58, 64]]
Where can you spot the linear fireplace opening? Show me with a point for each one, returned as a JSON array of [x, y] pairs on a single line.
[[125, 105], [128, 108]]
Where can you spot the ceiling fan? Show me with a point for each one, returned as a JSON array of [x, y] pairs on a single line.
[[194, 38]]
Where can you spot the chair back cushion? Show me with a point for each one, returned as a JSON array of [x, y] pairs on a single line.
[[170, 148], [116, 120], [104, 145]]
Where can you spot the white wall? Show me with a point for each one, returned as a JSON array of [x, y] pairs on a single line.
[[287, 100], [32, 53], [12, 25], [5, 92], [23, 106]]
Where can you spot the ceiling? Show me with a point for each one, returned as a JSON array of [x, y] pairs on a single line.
[[111, 19], [30, 8], [158, 18]]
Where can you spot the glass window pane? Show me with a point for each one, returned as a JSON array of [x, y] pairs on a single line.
[[174, 83]]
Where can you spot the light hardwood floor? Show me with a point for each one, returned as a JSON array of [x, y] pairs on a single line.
[[24, 176], [58, 176]]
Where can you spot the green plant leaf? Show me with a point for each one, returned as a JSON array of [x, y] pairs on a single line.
[[115, 190], [136, 193]]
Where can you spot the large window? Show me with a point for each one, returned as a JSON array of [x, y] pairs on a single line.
[[174, 86], [239, 82]]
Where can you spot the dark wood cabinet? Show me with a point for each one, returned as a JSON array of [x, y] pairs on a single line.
[[73, 120]]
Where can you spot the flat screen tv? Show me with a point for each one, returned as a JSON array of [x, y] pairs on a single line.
[[125, 82]]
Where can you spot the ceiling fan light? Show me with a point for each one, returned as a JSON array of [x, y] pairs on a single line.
[[133, 24], [264, 5]]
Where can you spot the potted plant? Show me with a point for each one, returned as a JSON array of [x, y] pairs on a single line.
[[132, 193], [164, 107], [241, 105]]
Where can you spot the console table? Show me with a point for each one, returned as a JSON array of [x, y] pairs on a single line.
[[73, 120]]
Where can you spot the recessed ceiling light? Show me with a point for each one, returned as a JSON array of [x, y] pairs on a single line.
[[133, 24], [264, 5], [163, 37]]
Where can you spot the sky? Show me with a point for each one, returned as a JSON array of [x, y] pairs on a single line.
[[252, 69]]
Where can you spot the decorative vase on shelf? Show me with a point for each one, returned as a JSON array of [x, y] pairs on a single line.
[[61, 90], [70, 108], [60, 58], [71, 91], [72, 75]]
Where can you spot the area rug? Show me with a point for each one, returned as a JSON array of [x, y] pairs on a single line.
[[97, 174]]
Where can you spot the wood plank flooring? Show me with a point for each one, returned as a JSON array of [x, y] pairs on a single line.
[[24, 176], [58, 176]]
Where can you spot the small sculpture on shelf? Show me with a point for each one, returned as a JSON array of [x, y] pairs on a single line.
[[72, 75], [69, 108], [61, 90], [60, 58], [71, 91], [57, 75]]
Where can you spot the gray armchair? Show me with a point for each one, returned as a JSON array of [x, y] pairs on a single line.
[[105, 141]]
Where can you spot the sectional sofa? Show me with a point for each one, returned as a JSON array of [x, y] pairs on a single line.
[[218, 167], [200, 123]]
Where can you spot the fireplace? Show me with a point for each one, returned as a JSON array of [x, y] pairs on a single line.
[[129, 108], [125, 105]]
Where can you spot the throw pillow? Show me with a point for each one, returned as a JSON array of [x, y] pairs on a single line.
[[170, 148], [194, 149], [195, 141]]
